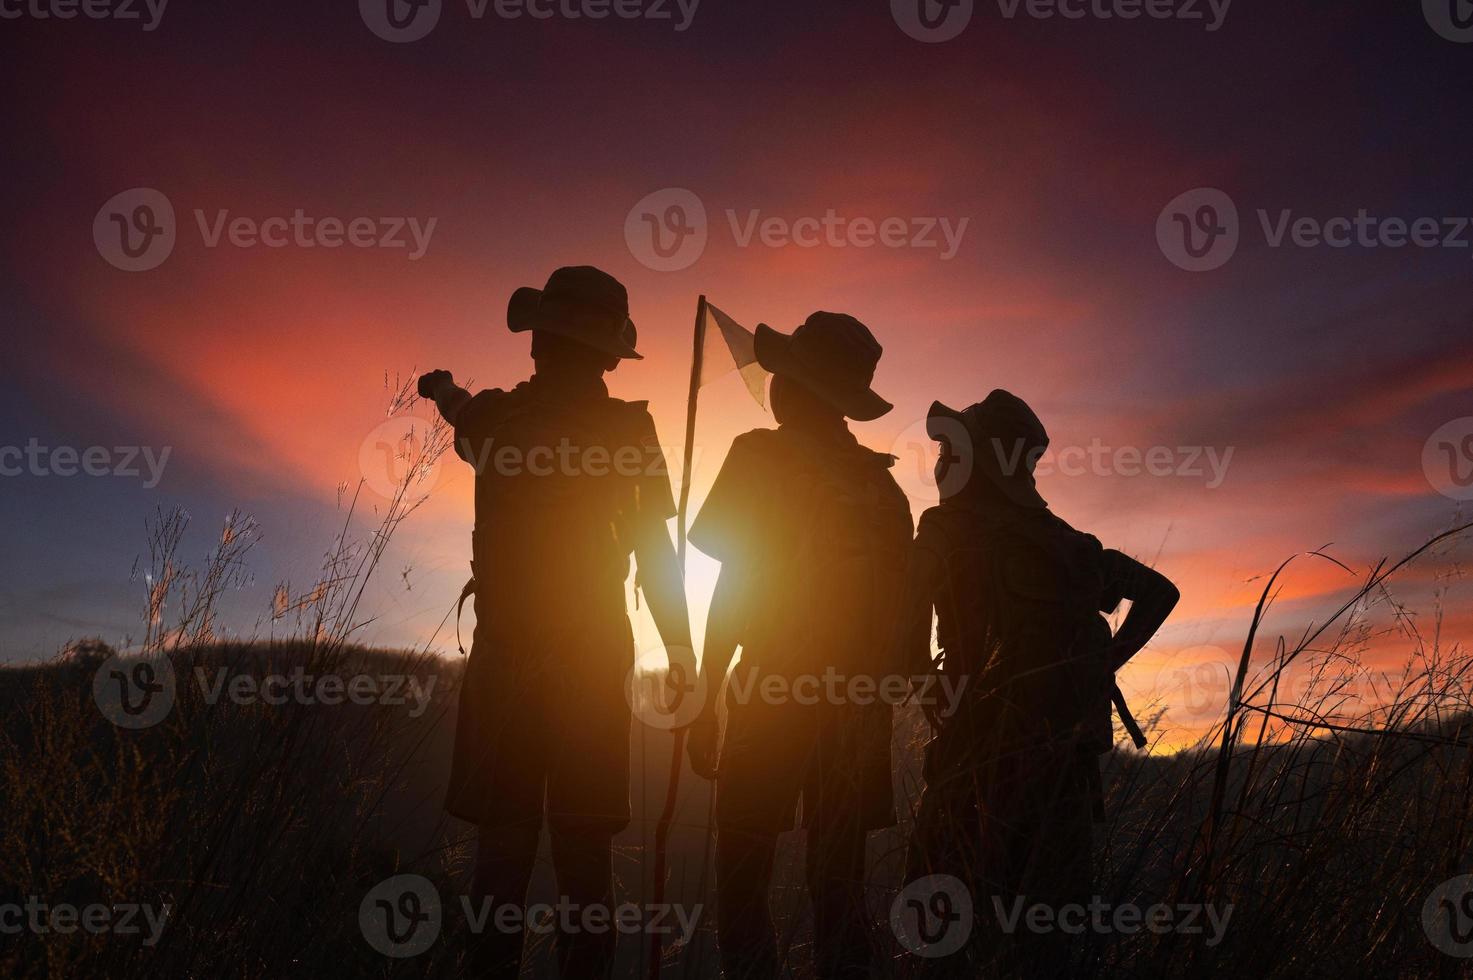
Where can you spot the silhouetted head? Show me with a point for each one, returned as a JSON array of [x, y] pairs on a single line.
[[832, 357], [579, 321], [556, 354], [794, 404], [989, 450]]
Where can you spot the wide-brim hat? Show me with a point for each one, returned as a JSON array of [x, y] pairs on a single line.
[[1004, 442], [581, 303], [831, 354]]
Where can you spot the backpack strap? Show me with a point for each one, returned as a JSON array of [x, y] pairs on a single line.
[[1127, 720], [465, 593]]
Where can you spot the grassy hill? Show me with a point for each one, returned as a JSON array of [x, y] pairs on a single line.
[[262, 826]]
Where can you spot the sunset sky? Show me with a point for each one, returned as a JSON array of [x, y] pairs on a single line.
[[1323, 371]]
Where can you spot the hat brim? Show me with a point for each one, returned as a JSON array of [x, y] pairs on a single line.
[[942, 423], [524, 312], [775, 354]]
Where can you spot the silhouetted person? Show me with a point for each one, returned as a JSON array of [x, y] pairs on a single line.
[[811, 532], [1012, 776], [569, 483]]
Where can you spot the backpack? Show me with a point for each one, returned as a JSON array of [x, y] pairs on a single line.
[[829, 598], [1027, 593], [550, 518]]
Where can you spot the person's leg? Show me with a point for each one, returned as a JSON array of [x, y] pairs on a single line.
[[504, 860], [744, 926], [582, 858], [1057, 873], [835, 869], [946, 840]]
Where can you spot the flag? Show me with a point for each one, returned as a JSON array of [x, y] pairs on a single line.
[[740, 344]]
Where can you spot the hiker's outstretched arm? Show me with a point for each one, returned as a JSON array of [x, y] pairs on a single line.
[[664, 589], [1152, 598], [440, 388]]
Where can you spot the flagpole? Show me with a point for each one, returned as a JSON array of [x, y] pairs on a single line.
[[697, 360], [667, 816]]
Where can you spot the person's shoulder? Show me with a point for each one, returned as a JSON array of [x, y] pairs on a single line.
[[942, 523], [628, 409], [493, 395], [756, 444], [484, 406], [1085, 539]]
